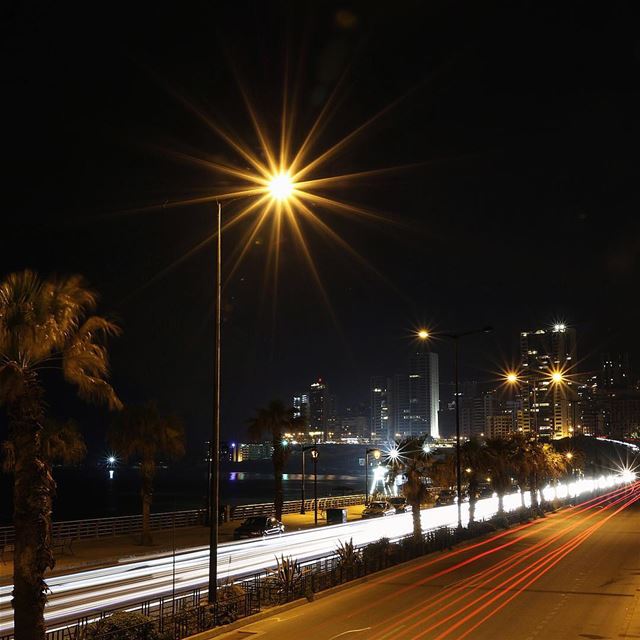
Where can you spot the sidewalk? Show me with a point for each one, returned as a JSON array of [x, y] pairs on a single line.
[[98, 552]]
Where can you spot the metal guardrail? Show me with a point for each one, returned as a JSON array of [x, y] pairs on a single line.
[[108, 527], [124, 525], [243, 511]]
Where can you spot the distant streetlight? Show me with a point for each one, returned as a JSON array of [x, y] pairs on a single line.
[[554, 377], [376, 455], [302, 496], [314, 454], [455, 338]]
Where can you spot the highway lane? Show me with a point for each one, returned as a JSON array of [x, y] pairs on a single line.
[[575, 574], [89, 592]]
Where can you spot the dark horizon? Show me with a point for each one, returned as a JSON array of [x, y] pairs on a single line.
[[513, 204]]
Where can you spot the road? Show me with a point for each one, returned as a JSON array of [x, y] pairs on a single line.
[[88, 592], [575, 574]]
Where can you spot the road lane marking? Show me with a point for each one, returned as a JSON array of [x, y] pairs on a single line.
[[344, 633]]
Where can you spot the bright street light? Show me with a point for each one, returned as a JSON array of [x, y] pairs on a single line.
[[511, 377], [281, 186], [423, 334], [557, 377]]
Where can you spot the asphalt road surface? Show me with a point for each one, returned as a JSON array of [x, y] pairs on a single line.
[[575, 574], [87, 593]]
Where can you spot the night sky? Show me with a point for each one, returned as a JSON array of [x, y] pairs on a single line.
[[519, 207]]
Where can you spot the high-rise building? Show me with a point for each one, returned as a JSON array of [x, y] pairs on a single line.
[[354, 425], [547, 407], [416, 397], [301, 409], [380, 423], [318, 409], [615, 372]]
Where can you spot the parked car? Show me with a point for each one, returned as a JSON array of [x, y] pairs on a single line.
[[485, 491], [258, 527], [400, 504], [378, 509], [446, 497]]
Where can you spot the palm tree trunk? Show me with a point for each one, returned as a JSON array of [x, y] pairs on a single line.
[[533, 490], [32, 494], [473, 498], [501, 502], [417, 523], [522, 502], [278, 468], [278, 498], [147, 471]]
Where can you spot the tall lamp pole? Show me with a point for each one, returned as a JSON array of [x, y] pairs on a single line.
[[302, 496], [376, 455], [455, 338], [314, 455], [214, 457]]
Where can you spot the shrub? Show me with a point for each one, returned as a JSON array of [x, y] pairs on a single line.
[[348, 555], [123, 625]]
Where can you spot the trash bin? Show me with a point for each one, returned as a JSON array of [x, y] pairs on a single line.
[[336, 516]]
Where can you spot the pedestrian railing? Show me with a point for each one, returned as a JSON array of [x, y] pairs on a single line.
[[108, 527], [243, 511], [124, 525]]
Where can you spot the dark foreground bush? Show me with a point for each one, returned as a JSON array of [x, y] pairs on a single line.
[[124, 625]]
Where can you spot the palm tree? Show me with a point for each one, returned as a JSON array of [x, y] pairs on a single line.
[[141, 432], [443, 471], [554, 464], [59, 441], [44, 324], [524, 464], [413, 462], [274, 421], [63, 442], [499, 453], [473, 460]]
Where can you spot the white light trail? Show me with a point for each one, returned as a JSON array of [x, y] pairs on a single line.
[[88, 592]]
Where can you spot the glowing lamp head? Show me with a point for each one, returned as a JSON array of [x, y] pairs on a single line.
[[569, 455], [281, 186], [423, 334], [557, 377], [511, 377], [376, 454], [111, 459]]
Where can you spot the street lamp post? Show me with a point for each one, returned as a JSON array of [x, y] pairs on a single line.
[[214, 454], [455, 338], [376, 455], [302, 496], [280, 188], [314, 455]]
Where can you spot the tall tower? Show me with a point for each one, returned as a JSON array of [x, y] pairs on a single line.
[[416, 397], [381, 428], [318, 409], [546, 406]]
